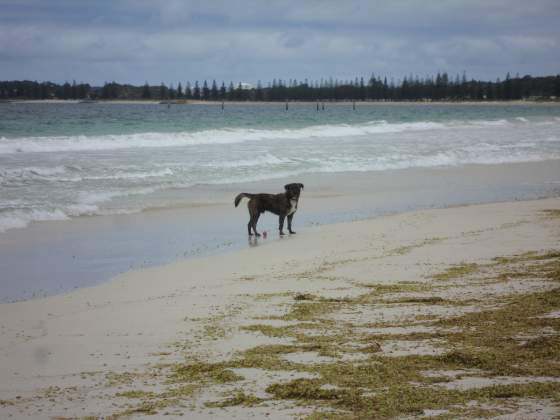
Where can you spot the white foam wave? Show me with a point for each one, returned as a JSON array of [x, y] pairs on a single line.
[[441, 159], [32, 171], [19, 214], [21, 218], [82, 209], [221, 136], [88, 198], [263, 160], [491, 123], [130, 175], [53, 174]]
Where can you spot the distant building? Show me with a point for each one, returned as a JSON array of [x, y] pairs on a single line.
[[246, 86]]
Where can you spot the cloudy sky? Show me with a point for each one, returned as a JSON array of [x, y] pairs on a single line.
[[170, 41]]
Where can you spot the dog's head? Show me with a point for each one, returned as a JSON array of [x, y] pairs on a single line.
[[293, 190]]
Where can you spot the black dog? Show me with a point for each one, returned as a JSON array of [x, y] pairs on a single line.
[[283, 204]]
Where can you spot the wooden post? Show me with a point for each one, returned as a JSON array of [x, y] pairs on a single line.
[[286, 105], [353, 105], [222, 105]]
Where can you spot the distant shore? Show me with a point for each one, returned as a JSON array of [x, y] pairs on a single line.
[[327, 102]]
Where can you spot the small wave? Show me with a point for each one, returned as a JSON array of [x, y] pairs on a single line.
[[131, 175], [82, 210], [18, 175], [441, 159], [19, 214], [222, 136], [32, 172], [21, 218], [263, 160], [96, 197], [525, 144], [491, 123]]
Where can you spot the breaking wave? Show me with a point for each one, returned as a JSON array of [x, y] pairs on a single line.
[[223, 136]]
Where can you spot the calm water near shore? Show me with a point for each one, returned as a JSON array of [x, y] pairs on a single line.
[[163, 178]]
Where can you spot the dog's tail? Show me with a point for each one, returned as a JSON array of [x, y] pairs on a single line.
[[241, 196]]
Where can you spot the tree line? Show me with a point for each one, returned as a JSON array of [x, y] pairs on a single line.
[[410, 88]]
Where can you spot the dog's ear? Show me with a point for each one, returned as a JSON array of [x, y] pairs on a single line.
[[287, 186], [301, 186]]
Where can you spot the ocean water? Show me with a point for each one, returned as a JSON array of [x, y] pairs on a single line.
[[62, 161]]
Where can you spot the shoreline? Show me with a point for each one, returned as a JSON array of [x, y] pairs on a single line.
[[97, 346]]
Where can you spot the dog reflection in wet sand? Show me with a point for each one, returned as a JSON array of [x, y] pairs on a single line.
[[284, 205]]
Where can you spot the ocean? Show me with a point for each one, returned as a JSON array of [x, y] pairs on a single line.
[[68, 162], [59, 161]]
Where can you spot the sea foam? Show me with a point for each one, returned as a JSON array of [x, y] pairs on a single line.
[[222, 136]]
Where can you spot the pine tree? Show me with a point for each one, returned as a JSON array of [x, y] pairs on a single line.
[[259, 96], [146, 93], [214, 91], [163, 91], [362, 95], [205, 91], [74, 90], [508, 91], [67, 91], [188, 91], [499, 91], [385, 89]]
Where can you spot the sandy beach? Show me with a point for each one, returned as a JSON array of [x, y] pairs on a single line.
[[401, 161], [438, 312]]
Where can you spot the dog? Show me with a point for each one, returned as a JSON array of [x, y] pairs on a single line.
[[283, 205]]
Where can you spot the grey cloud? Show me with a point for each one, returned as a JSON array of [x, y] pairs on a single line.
[[134, 40]]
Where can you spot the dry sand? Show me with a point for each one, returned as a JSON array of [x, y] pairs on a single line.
[[70, 355]]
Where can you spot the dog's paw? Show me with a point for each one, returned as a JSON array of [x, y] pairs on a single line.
[[292, 232]]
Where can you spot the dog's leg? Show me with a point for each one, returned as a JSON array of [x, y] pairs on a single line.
[[254, 214], [251, 217], [281, 224], [254, 221], [290, 217]]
